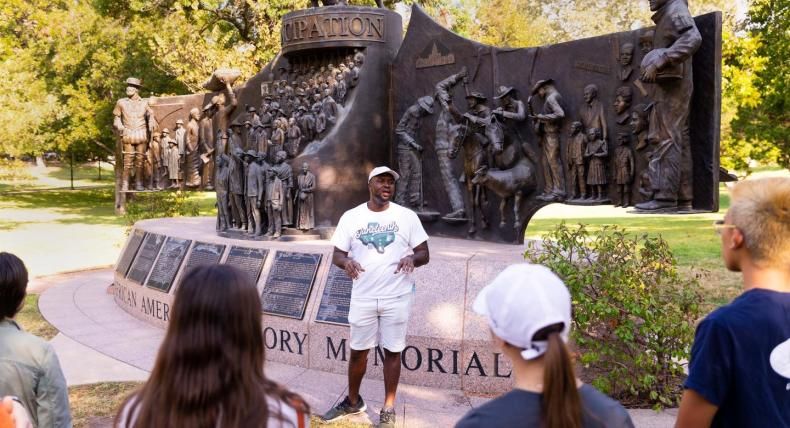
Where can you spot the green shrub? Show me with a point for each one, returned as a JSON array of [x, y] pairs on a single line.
[[159, 204], [13, 170], [633, 312]]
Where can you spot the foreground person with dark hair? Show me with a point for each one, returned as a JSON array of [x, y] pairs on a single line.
[[209, 370], [29, 368], [529, 312]]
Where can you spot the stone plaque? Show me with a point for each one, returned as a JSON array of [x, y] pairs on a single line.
[[168, 263], [204, 254], [336, 298], [145, 257], [131, 250], [249, 260], [288, 284]]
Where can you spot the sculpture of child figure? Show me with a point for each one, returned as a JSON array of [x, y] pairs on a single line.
[[624, 169], [597, 151]]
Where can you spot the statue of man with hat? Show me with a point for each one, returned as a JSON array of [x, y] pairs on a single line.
[[409, 150], [547, 126], [511, 110], [443, 144], [255, 187], [134, 121]]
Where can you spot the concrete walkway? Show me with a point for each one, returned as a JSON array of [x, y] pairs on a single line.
[[100, 342]]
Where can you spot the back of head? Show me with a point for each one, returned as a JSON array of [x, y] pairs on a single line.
[[212, 356], [529, 308], [761, 210], [13, 284]]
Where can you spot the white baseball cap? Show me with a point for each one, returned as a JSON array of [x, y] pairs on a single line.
[[383, 170], [520, 301]]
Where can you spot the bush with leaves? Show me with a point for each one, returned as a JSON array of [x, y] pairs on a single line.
[[633, 313], [158, 205]]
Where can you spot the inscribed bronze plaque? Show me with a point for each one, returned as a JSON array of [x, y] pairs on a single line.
[[250, 260], [204, 254], [145, 257], [336, 298], [289, 283], [131, 250], [167, 265]]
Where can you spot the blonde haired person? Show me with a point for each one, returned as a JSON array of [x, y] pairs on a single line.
[[739, 371], [528, 309]]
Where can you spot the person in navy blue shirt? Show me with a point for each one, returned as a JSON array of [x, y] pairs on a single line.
[[739, 372]]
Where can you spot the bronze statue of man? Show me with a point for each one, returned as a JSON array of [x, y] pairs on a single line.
[[547, 126], [448, 118], [134, 120], [409, 153], [192, 147], [305, 205], [591, 111], [254, 187], [225, 104], [206, 138], [668, 65], [222, 181]]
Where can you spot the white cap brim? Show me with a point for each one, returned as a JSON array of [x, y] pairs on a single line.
[[383, 170]]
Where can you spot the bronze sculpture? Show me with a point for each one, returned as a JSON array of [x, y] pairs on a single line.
[[622, 102], [225, 104], [305, 205], [222, 183], [446, 122], [575, 158], [133, 122], [236, 189], [173, 159], [626, 56], [180, 135], [675, 41], [206, 138], [547, 126], [255, 186], [409, 191], [623, 169], [275, 199], [597, 151], [591, 112], [154, 156], [192, 159]]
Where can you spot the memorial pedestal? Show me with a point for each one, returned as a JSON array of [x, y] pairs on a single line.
[[305, 299]]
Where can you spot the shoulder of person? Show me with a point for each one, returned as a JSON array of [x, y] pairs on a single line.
[[283, 414], [498, 411], [603, 407]]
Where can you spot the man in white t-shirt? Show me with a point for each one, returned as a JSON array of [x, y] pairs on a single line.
[[378, 244]]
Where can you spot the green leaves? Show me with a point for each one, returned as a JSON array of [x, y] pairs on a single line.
[[633, 312]]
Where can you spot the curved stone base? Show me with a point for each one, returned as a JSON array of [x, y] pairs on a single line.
[[448, 345]]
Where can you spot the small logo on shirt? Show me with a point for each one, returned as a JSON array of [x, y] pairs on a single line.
[[377, 236]]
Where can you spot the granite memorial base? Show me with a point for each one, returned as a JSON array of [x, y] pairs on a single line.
[[305, 300]]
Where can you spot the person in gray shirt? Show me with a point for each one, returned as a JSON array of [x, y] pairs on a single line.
[[528, 309], [29, 368]]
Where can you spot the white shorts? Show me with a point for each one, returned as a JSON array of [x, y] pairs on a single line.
[[380, 321]]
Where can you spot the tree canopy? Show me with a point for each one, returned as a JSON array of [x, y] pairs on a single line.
[[64, 61]]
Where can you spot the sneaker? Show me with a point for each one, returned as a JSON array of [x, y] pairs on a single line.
[[345, 408], [387, 418]]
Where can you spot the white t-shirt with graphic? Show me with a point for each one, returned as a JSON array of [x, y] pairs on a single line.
[[377, 241]]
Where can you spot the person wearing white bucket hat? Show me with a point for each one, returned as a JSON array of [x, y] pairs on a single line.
[[528, 309]]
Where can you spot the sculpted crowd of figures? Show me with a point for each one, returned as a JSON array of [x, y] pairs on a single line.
[[650, 107], [245, 160]]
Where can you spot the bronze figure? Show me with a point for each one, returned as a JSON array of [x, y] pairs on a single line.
[[409, 191], [675, 41], [192, 159], [597, 151], [577, 146], [305, 206], [623, 169], [446, 122], [547, 126], [133, 122]]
